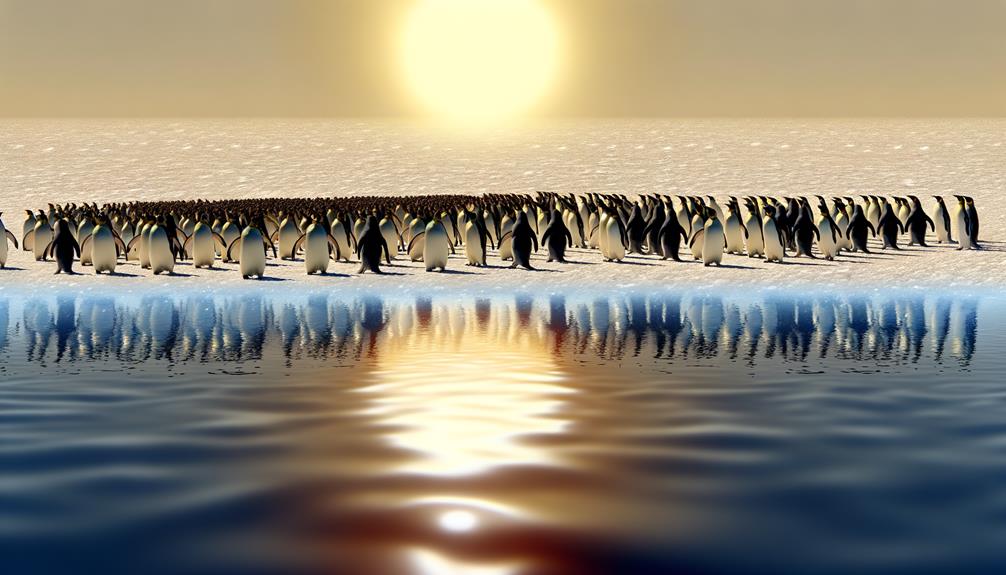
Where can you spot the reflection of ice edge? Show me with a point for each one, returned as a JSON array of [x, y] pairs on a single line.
[[238, 326]]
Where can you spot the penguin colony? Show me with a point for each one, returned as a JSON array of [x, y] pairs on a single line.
[[376, 230]]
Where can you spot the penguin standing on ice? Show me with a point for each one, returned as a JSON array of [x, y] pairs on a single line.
[[670, 236], [63, 247], [773, 237], [889, 227], [973, 218], [635, 230], [652, 232], [476, 235], [858, 226], [916, 223], [370, 245], [828, 234], [160, 250], [522, 240], [37, 240], [804, 232], [712, 238], [319, 248], [202, 245], [5, 236], [962, 223], [249, 249], [556, 237], [941, 216], [105, 246]]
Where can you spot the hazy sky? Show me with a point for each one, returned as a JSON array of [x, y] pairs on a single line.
[[621, 58]]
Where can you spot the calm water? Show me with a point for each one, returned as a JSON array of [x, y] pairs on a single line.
[[524, 434]]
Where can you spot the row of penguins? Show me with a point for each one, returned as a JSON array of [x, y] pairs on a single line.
[[430, 228]]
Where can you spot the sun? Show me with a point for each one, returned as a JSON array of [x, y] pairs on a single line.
[[478, 60]]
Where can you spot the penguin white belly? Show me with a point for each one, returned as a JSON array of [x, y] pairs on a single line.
[[828, 247], [602, 236], [159, 251], [252, 254], [3, 245], [145, 247], [102, 248], [506, 244], [712, 246], [41, 238], [342, 238], [316, 255], [203, 251], [613, 241], [594, 231], [288, 236], [437, 247], [697, 243], [942, 234], [569, 218], [735, 236], [773, 247], [960, 230], [473, 245]]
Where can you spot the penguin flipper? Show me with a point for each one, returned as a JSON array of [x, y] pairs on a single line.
[[333, 248], [120, 247], [28, 241], [236, 244], [698, 234], [219, 240], [413, 241], [187, 245], [12, 239], [298, 244], [182, 238], [85, 243], [508, 233]]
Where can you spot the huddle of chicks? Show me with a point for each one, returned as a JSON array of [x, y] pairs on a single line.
[[430, 228]]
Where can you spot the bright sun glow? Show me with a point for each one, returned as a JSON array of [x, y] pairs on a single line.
[[479, 59]]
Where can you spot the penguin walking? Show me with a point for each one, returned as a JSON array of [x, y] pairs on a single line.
[[858, 226], [370, 245], [5, 236], [63, 247], [916, 223], [556, 237]]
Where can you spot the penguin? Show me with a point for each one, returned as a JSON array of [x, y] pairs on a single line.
[[842, 227], [941, 216], [635, 230], [652, 231], [229, 232], [436, 243], [889, 227], [505, 242], [670, 236], [973, 218], [370, 244], [159, 250], [828, 234], [774, 240], [754, 241], [475, 236], [711, 239], [347, 242], [804, 232], [84, 229], [105, 246], [522, 239], [249, 249], [63, 247], [391, 236], [39, 237], [319, 248], [734, 229], [203, 244], [5, 236], [27, 226], [856, 232], [916, 223], [613, 239], [415, 249], [556, 237], [961, 222], [287, 236]]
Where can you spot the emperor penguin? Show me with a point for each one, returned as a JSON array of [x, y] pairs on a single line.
[[505, 243], [5, 236], [889, 226], [962, 225], [712, 240], [754, 241], [734, 229], [829, 234], [969, 203], [916, 223], [390, 232], [775, 244], [27, 226], [417, 227], [842, 227], [476, 235], [319, 248], [557, 237], [249, 249], [159, 252], [63, 247], [858, 227], [84, 229], [104, 246], [523, 238], [39, 237], [437, 245], [287, 235], [370, 245], [202, 245], [347, 243], [614, 239], [229, 232]]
